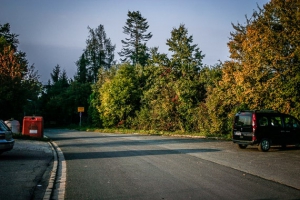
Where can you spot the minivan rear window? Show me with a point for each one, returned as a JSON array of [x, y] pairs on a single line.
[[243, 120]]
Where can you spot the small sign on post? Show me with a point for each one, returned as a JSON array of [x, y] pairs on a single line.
[[80, 110]]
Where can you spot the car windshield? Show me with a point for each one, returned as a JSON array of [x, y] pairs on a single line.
[[3, 127]]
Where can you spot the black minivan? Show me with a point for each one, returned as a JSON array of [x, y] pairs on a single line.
[[265, 128]]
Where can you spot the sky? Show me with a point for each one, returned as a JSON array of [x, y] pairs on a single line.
[[54, 32]]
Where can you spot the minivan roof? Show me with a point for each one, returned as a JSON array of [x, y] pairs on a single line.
[[259, 111]]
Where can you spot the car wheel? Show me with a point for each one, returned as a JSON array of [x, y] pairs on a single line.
[[243, 146], [264, 145]]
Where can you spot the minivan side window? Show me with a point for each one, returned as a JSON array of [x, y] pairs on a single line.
[[243, 120], [276, 121], [263, 121], [291, 122]]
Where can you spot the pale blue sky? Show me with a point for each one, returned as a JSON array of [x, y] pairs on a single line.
[[54, 32]]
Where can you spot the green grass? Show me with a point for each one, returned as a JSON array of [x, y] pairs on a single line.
[[151, 132]]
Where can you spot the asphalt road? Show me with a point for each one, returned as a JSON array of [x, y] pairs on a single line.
[[118, 166], [25, 170]]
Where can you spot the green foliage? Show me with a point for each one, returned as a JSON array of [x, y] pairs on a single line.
[[83, 74], [184, 52], [61, 98], [158, 59], [94, 116], [55, 74], [151, 91], [98, 57], [119, 96], [94, 100], [19, 80], [8, 37], [157, 100], [173, 91], [99, 53], [134, 47]]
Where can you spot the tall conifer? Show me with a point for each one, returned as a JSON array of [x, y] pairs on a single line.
[[134, 48]]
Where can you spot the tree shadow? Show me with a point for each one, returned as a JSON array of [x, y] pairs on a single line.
[[132, 153], [141, 142], [25, 156]]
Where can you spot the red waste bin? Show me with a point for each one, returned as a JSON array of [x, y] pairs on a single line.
[[33, 126]]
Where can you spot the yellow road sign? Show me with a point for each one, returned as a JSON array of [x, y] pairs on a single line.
[[80, 109]]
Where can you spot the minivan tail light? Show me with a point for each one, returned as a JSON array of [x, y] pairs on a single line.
[[254, 124]]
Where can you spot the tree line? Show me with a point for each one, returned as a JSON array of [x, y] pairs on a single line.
[[149, 90]]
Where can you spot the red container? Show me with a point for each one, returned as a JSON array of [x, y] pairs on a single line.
[[33, 126]]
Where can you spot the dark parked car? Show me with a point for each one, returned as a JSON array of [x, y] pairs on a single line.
[[265, 128], [6, 140]]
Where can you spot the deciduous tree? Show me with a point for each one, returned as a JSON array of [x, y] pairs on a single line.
[[119, 96], [264, 70], [19, 80]]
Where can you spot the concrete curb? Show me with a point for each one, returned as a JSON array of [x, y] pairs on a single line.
[[49, 189], [57, 181]]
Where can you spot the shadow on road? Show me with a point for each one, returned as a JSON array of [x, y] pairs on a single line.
[[131, 153], [18, 156], [118, 143]]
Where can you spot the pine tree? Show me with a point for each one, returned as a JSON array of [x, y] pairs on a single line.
[[184, 52], [63, 78], [9, 37], [82, 73], [55, 74], [134, 48], [173, 91], [99, 51]]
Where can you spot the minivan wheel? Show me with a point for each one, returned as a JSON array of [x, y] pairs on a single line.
[[264, 145], [243, 146]]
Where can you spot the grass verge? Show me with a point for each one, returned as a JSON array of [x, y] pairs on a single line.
[[152, 132]]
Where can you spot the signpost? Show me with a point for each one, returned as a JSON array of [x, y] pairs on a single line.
[[80, 110]]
